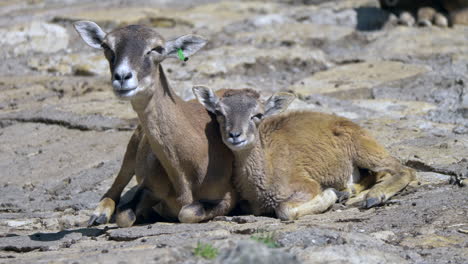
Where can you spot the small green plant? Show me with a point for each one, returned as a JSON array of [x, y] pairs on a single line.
[[266, 238], [206, 251]]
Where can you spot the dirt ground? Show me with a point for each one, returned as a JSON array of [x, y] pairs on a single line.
[[63, 133]]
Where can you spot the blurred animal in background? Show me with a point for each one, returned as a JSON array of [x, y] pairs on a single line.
[[442, 13]]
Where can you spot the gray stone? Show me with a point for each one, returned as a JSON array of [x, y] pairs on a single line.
[[34, 37], [311, 237], [70, 120], [356, 80], [349, 254], [267, 20], [387, 236], [242, 219], [250, 252], [38, 241], [126, 234]]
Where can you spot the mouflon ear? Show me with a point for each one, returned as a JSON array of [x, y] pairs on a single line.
[[189, 44], [90, 32], [278, 103], [206, 97]]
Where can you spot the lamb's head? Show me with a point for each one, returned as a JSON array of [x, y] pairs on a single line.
[[240, 112], [134, 53]]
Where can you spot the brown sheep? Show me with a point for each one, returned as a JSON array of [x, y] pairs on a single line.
[[291, 164], [177, 154]]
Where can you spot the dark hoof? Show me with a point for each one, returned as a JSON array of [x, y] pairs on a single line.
[[102, 219], [371, 202], [92, 220], [342, 196], [454, 180]]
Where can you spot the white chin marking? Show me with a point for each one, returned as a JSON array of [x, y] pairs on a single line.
[[238, 146], [125, 94]]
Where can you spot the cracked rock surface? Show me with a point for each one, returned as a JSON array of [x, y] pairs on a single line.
[[63, 133]]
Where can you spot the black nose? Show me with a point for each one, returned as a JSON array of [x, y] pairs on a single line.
[[234, 134], [122, 77]]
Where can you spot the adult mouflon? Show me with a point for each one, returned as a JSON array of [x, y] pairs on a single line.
[[177, 154]]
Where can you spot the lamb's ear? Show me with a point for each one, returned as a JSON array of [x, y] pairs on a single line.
[[277, 103], [90, 32], [189, 44], [206, 97]]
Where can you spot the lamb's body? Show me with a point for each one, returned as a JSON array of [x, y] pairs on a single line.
[[317, 145], [304, 153], [291, 162]]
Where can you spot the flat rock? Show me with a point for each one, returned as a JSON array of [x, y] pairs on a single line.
[[78, 64], [395, 108], [125, 234], [349, 254], [42, 145], [243, 219], [264, 69], [433, 240], [259, 60], [356, 80], [250, 252], [303, 34], [42, 242], [50, 115], [34, 37], [114, 16], [402, 41], [213, 17]]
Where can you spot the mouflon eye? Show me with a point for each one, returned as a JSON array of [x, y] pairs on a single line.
[[219, 113], [158, 49], [258, 116], [105, 46]]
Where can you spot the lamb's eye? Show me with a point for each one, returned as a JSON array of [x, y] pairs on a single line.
[[158, 49], [219, 113], [257, 116]]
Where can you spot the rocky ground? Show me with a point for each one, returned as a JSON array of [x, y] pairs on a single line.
[[63, 133]]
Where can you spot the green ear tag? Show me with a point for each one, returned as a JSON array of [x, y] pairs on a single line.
[[181, 55]]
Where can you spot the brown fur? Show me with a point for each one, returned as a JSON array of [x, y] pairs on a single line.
[[181, 164], [297, 157], [203, 161], [251, 93]]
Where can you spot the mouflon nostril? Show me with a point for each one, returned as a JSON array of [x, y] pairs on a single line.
[[117, 77], [234, 134], [121, 77], [128, 76]]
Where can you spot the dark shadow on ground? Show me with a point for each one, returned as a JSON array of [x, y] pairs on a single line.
[[89, 232], [371, 18]]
